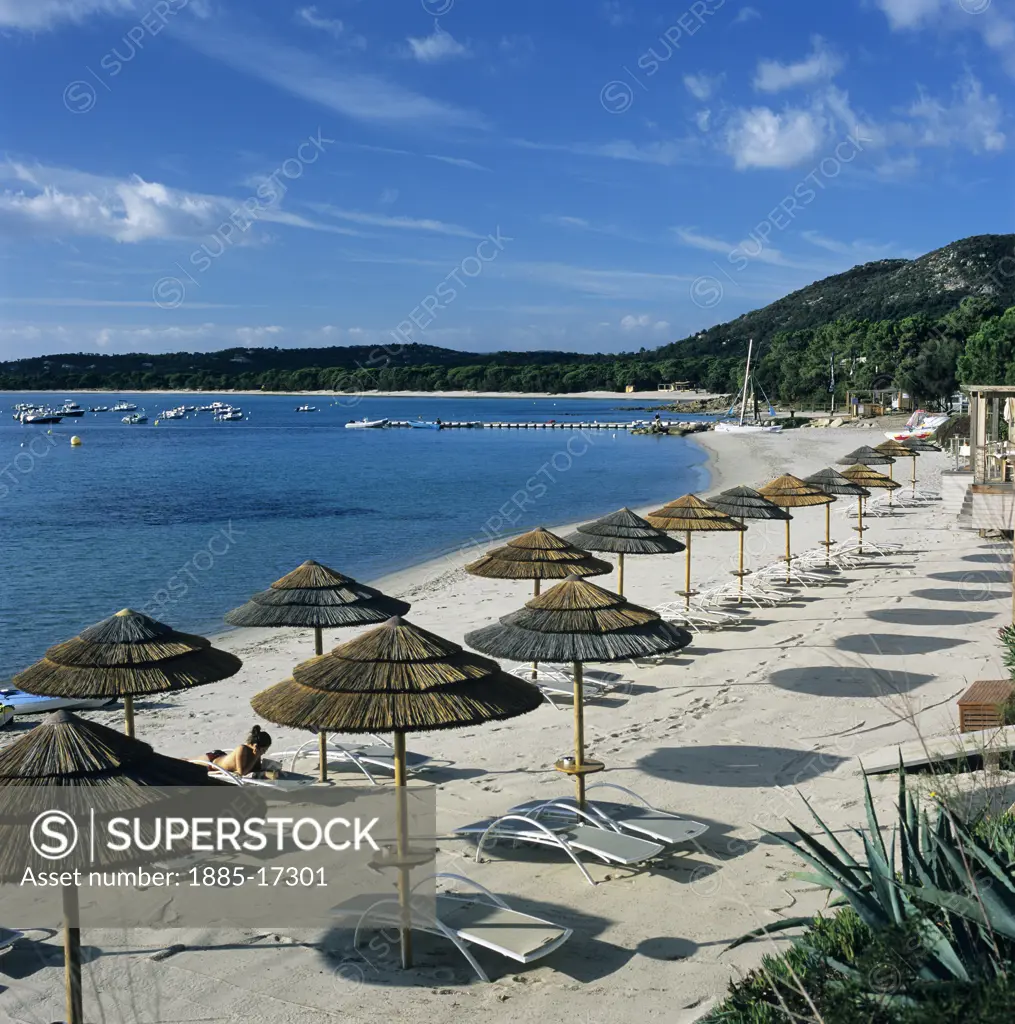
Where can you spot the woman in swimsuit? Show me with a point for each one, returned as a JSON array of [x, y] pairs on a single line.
[[246, 758]]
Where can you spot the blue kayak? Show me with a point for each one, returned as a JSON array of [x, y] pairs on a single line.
[[420, 425]]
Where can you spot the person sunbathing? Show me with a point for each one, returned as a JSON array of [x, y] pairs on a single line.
[[246, 758]]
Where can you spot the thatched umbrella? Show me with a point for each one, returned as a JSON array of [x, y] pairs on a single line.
[[893, 449], [791, 492], [127, 655], [538, 555], [314, 595], [834, 483], [68, 751], [624, 533], [688, 515], [577, 622], [396, 678], [916, 445], [870, 480], [746, 503]]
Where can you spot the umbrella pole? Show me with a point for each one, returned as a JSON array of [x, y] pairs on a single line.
[[789, 557], [579, 733], [859, 516], [535, 664], [687, 573], [404, 893], [322, 736], [914, 476], [128, 714], [828, 534], [740, 573], [72, 955], [891, 495], [620, 574]]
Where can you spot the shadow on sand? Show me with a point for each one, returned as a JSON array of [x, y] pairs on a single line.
[[895, 644], [847, 681], [739, 766], [930, 616]]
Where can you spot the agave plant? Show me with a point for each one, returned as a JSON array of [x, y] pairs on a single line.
[[934, 881]]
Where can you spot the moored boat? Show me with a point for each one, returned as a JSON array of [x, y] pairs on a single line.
[[31, 704], [365, 424]]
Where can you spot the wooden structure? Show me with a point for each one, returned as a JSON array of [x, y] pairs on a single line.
[[862, 404], [982, 705]]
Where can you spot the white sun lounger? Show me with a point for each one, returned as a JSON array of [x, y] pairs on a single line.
[[8, 936], [380, 755], [480, 919], [608, 844], [554, 681], [644, 820]]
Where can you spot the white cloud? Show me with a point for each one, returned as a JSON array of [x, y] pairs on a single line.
[[750, 248], [665, 153], [388, 196], [615, 13], [56, 202], [439, 46], [909, 13], [703, 119], [564, 221], [334, 27], [399, 223], [642, 322], [746, 14], [702, 86], [363, 97], [457, 161], [820, 65], [760, 137], [972, 120], [46, 14]]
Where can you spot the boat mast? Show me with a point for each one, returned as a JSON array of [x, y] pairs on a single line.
[[747, 381]]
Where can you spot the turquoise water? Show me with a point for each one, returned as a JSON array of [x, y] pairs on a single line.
[[188, 518]]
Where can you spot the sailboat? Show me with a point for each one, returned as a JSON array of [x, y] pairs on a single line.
[[743, 426]]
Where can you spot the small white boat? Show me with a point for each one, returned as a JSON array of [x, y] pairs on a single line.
[[756, 425], [229, 414], [70, 408], [99, 408], [724, 427], [134, 418], [365, 424], [30, 704], [306, 408], [920, 425], [124, 407]]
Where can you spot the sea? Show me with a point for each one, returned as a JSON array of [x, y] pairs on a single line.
[[185, 519]]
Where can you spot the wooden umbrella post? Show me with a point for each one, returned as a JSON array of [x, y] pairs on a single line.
[[789, 557], [128, 714], [620, 574], [535, 664], [72, 955], [828, 534], [401, 828], [579, 734], [859, 528], [740, 564], [913, 480], [891, 495], [322, 736], [687, 573]]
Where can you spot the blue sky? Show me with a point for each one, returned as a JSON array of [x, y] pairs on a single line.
[[581, 174]]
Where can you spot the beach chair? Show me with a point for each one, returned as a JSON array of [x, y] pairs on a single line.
[[610, 845], [696, 619], [216, 771], [8, 936], [480, 918], [641, 818], [558, 681], [378, 756]]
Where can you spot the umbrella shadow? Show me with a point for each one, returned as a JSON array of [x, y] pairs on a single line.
[[996, 558], [895, 644], [847, 681], [28, 956], [953, 595], [584, 957], [972, 576], [738, 766], [929, 616]]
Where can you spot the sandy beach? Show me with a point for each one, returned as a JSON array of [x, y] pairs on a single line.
[[727, 734]]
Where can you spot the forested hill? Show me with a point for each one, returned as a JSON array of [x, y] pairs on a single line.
[[908, 323]]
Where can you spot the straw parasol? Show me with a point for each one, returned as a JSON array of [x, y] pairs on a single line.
[[68, 751], [624, 533], [869, 479], [314, 595], [865, 455], [916, 444], [834, 483], [895, 450], [746, 503], [127, 655], [791, 492], [538, 555], [396, 678], [688, 515], [578, 622]]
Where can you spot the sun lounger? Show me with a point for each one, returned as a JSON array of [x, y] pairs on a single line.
[[381, 755], [555, 681], [695, 619], [643, 819], [480, 919], [609, 845], [8, 936], [216, 771]]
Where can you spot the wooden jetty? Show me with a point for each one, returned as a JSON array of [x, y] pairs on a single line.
[[595, 425]]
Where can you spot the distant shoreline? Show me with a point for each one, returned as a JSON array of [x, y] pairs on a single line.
[[668, 397]]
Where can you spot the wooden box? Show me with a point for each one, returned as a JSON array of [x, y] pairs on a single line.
[[982, 705]]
